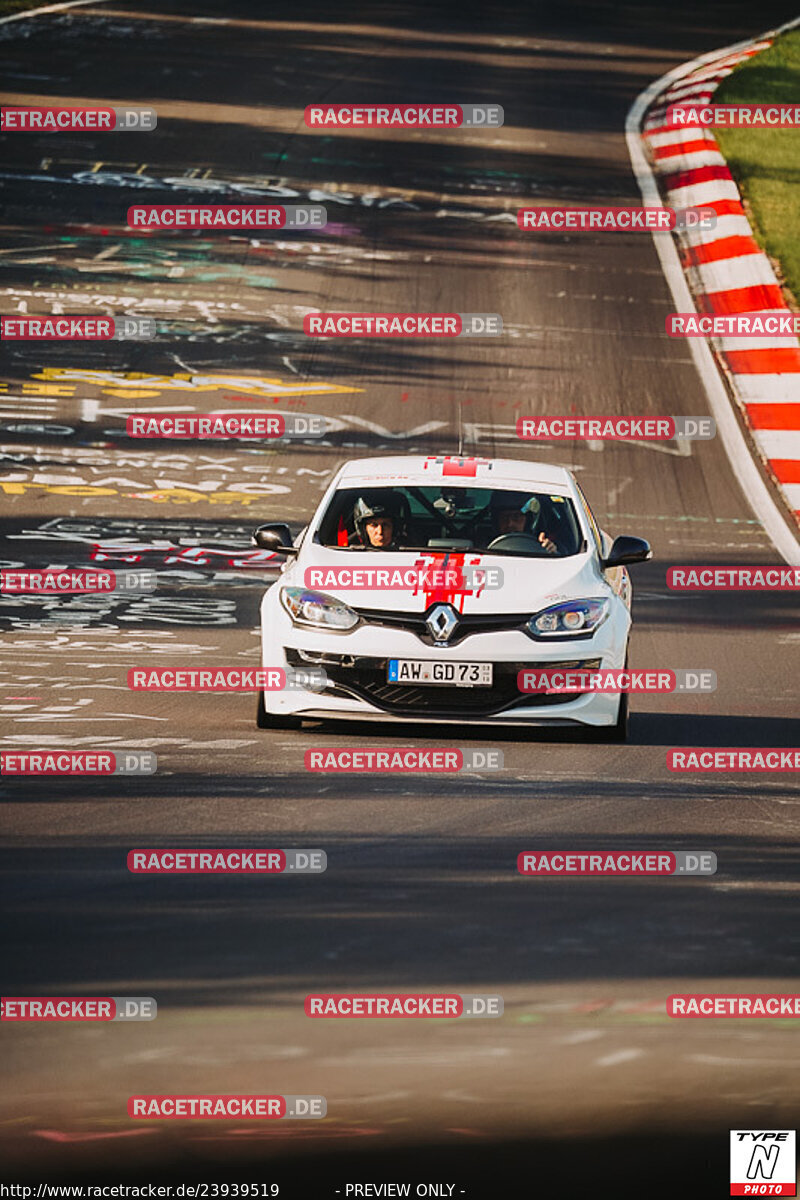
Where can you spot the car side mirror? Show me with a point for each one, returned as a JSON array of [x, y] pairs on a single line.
[[277, 538], [627, 550]]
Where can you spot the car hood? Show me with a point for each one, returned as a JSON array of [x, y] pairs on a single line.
[[525, 584]]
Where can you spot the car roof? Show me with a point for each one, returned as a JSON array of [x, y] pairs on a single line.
[[469, 471]]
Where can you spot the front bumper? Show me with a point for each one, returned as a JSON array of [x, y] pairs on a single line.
[[356, 667], [364, 678]]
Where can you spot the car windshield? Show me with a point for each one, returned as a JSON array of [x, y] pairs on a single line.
[[448, 517]]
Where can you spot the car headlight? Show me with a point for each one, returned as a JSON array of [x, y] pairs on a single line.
[[574, 618], [317, 610]]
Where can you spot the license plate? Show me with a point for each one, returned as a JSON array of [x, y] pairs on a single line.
[[453, 674]]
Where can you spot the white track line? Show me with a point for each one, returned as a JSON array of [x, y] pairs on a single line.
[[50, 8]]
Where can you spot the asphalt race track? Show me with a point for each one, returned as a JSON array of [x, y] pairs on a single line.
[[584, 1072]]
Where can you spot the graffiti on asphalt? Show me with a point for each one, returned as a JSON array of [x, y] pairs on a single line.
[[178, 532], [23, 612], [133, 385]]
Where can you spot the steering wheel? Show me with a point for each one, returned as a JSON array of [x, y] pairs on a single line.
[[520, 543]]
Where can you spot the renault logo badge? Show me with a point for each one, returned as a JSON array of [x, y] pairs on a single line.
[[441, 622]]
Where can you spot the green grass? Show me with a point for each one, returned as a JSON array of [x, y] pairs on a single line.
[[766, 162], [9, 7]]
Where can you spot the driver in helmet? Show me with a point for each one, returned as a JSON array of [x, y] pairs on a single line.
[[376, 523], [518, 512]]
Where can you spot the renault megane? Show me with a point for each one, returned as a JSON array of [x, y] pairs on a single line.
[[423, 586]]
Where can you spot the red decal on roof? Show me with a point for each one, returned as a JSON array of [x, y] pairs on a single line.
[[457, 466]]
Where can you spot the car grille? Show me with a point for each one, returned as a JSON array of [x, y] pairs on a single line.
[[365, 678], [467, 624]]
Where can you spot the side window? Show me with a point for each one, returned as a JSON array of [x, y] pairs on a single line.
[[598, 537]]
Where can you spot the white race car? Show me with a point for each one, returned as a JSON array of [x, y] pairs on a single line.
[[423, 586]]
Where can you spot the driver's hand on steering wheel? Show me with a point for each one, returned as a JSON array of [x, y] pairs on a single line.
[[548, 543]]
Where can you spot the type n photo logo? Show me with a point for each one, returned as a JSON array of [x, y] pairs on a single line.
[[763, 1162]]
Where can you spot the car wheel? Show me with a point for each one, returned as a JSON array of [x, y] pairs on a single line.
[[618, 732], [265, 720]]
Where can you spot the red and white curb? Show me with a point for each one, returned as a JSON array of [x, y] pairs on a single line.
[[724, 271]]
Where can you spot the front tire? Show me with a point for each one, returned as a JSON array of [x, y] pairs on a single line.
[[619, 730], [266, 720]]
